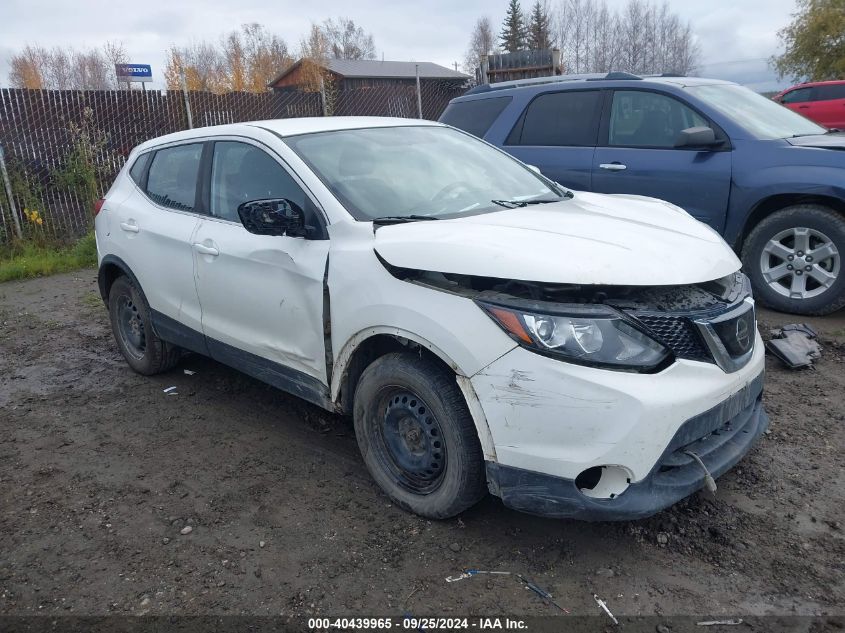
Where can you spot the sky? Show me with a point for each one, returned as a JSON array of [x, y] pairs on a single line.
[[736, 36]]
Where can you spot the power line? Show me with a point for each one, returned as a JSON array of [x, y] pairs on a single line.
[[735, 61]]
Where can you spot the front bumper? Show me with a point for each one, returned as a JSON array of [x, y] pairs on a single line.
[[720, 436]]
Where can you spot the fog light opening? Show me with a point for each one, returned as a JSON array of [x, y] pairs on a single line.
[[603, 482]]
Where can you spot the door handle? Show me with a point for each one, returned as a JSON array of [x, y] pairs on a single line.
[[206, 250], [803, 107], [613, 166], [129, 227]]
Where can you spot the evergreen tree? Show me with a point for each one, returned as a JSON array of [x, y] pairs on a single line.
[[539, 27], [513, 29]]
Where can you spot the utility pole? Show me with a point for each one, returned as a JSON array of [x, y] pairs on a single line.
[[419, 96], [12, 208]]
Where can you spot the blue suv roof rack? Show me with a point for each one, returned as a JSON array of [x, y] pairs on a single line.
[[615, 75], [535, 81]]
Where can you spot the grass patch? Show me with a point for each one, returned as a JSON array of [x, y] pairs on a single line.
[[26, 260]]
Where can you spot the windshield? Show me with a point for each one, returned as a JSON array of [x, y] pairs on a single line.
[[764, 118], [416, 171]]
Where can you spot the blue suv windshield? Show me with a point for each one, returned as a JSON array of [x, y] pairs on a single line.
[[764, 118]]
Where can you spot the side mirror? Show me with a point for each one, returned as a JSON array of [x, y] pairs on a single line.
[[273, 216], [701, 136]]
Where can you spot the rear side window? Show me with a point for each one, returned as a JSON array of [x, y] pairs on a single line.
[[476, 116], [172, 179], [829, 93], [560, 118], [136, 172]]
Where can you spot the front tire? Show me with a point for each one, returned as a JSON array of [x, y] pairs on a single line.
[[417, 437], [794, 258], [131, 325]]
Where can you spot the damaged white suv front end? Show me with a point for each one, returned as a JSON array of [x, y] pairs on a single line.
[[633, 370]]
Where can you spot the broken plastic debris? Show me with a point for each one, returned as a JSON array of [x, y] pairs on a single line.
[[189, 372], [169, 389], [604, 608], [469, 573], [795, 345], [720, 622], [545, 595]]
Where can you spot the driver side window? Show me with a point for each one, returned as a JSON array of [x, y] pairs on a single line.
[[648, 119], [241, 172]]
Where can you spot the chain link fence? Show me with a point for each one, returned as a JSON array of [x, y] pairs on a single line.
[[60, 150]]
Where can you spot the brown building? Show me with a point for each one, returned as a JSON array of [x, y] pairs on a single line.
[[366, 73]]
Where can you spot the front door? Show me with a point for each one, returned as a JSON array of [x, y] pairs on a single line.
[[262, 296], [639, 156]]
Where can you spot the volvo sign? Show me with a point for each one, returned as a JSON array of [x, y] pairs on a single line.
[[133, 72]]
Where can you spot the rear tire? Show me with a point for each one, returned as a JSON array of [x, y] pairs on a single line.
[[131, 325], [795, 260], [417, 437]]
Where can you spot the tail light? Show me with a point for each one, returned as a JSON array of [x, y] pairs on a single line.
[[98, 206]]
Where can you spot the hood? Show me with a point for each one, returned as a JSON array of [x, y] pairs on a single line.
[[835, 140], [589, 239]]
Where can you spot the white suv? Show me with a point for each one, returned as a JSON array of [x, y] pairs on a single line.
[[577, 355]]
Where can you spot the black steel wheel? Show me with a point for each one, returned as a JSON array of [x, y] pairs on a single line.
[[132, 327], [411, 445], [417, 437]]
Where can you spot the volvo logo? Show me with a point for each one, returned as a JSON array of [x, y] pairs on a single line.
[[743, 334]]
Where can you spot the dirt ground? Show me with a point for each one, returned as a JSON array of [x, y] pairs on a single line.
[[100, 471]]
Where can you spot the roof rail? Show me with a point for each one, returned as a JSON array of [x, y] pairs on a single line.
[[621, 75], [536, 81], [531, 81]]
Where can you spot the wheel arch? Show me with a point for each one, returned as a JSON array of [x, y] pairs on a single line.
[[112, 267], [769, 205], [368, 345]]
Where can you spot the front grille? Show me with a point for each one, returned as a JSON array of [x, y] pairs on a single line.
[[737, 333], [678, 334]]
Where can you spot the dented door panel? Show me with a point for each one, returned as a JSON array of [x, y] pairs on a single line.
[[263, 294]]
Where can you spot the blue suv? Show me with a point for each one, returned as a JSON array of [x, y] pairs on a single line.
[[770, 181]]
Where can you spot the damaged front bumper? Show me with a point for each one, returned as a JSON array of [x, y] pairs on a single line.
[[720, 437]]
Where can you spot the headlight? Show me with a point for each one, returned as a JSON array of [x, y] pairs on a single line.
[[594, 335]]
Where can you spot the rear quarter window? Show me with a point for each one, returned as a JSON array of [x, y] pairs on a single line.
[[475, 116], [136, 172]]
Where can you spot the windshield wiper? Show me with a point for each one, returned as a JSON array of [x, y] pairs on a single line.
[[515, 204], [400, 219]]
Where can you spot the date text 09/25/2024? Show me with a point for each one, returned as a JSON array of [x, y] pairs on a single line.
[[410, 623]]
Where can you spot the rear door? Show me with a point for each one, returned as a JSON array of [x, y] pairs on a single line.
[[557, 133], [829, 105], [152, 232], [262, 295], [637, 155]]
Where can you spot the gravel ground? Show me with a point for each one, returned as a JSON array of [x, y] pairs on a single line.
[[234, 498]]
